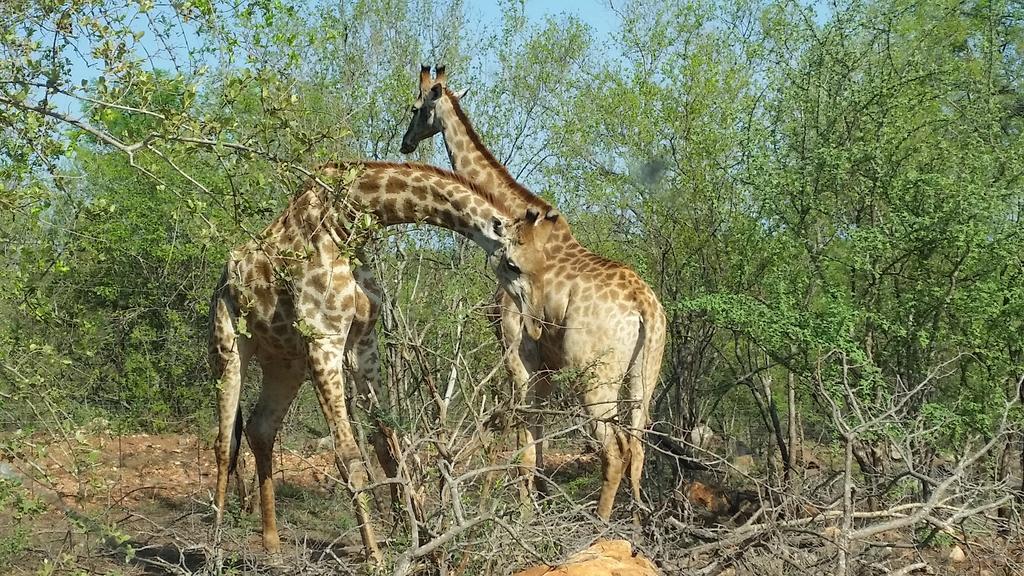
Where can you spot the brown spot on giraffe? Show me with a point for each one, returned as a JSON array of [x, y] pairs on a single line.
[[395, 186], [373, 182], [317, 282], [458, 205]]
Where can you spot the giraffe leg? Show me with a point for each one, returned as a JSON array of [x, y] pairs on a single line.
[[635, 450], [639, 398], [643, 378], [364, 359], [540, 392], [527, 468], [281, 382], [522, 359], [229, 358], [240, 475], [384, 437], [244, 479], [636, 464], [600, 401], [366, 373], [326, 360]]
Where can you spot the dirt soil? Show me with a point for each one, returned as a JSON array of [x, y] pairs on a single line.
[[137, 468], [141, 504]]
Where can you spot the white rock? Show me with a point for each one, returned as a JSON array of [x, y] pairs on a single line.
[[8, 472], [957, 555]]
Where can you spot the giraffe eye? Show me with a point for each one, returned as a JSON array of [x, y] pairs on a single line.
[[513, 268]]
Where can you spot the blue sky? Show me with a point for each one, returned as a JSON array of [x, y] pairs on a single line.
[[596, 14]]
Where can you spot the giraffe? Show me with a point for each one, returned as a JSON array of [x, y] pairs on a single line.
[[294, 299], [598, 315]]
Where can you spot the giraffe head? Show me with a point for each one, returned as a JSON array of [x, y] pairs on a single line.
[[521, 265], [425, 121]]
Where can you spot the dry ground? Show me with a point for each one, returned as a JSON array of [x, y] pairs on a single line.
[[140, 504]]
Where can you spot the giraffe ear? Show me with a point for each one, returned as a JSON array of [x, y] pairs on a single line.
[[424, 77], [461, 93], [553, 214]]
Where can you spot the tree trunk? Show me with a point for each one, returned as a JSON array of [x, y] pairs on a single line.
[[792, 425], [773, 413]]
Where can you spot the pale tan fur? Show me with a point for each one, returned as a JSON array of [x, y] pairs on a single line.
[[296, 301], [598, 316]]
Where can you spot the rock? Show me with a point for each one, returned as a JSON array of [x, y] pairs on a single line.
[[7, 472], [604, 558], [831, 533], [700, 494], [743, 464], [701, 436], [323, 445], [956, 555], [808, 459]]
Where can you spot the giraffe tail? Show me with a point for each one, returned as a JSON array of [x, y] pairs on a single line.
[[646, 366], [236, 441], [643, 377], [228, 363]]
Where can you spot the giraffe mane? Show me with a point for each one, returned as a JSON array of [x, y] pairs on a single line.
[[506, 178], [487, 195]]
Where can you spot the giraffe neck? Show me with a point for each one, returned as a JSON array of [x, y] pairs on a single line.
[[470, 158], [414, 193]]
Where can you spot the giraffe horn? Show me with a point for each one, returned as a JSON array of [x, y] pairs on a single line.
[[424, 77], [532, 214], [440, 76]]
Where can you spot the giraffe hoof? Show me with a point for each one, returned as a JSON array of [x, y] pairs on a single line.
[[275, 560], [272, 546]]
